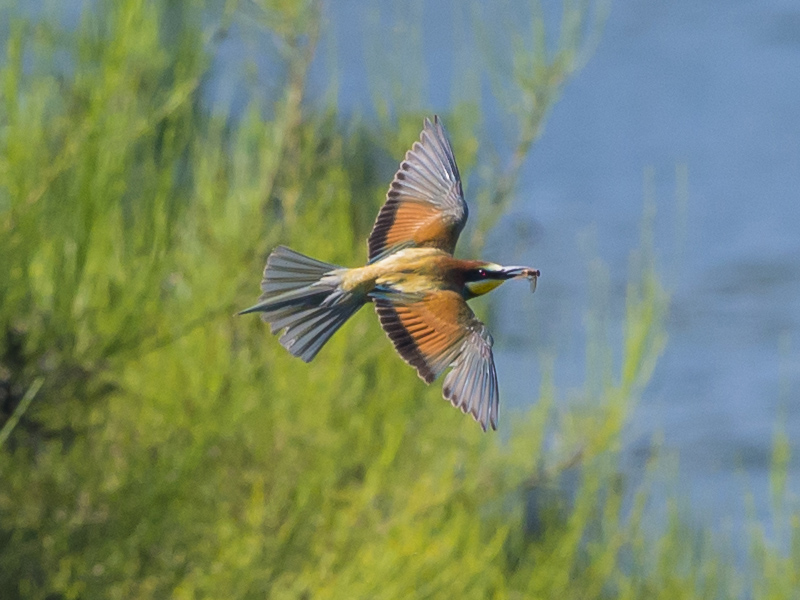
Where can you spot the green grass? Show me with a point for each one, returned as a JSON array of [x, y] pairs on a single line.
[[175, 450]]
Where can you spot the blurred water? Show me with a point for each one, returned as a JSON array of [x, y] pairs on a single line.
[[714, 87], [709, 85]]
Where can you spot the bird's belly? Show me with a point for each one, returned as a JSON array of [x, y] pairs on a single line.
[[408, 283], [411, 271]]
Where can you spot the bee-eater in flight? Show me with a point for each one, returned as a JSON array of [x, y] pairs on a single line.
[[419, 289]]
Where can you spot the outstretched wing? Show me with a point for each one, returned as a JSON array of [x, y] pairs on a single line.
[[425, 204], [441, 331]]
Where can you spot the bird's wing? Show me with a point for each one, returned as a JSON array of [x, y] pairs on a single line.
[[425, 204], [441, 331]]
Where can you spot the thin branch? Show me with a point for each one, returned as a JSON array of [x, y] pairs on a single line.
[[20, 410]]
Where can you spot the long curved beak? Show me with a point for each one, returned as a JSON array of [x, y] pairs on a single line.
[[528, 273]]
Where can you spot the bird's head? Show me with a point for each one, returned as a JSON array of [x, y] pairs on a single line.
[[482, 278]]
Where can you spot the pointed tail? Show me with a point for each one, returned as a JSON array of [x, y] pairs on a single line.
[[303, 297]]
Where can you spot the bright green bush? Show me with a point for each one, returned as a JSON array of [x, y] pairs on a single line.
[[175, 450]]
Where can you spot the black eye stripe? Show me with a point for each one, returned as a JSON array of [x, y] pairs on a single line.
[[478, 275]]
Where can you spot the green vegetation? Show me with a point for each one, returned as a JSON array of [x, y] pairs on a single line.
[[154, 445]]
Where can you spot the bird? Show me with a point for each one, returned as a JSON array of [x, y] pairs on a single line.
[[418, 288]]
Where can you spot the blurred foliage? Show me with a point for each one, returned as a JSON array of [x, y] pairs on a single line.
[[154, 446]]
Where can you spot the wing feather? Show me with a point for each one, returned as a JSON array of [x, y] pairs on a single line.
[[425, 203], [441, 331], [472, 383]]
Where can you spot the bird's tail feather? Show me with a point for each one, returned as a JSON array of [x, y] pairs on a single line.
[[303, 296]]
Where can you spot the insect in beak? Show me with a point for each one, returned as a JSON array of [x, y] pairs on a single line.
[[528, 273]]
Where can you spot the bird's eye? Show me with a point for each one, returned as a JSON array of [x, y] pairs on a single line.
[[482, 273]]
